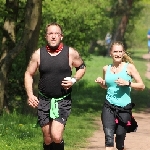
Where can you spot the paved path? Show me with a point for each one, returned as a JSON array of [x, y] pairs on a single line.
[[139, 140]]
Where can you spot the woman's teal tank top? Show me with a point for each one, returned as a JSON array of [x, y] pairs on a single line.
[[117, 95]]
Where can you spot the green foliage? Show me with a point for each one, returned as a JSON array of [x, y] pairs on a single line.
[[83, 23], [132, 10], [136, 31], [80, 24], [141, 23], [16, 95]]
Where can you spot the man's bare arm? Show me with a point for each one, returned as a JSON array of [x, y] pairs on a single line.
[[77, 62], [31, 69]]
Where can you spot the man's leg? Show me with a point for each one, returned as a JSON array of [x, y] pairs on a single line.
[[57, 129], [58, 146], [47, 145]]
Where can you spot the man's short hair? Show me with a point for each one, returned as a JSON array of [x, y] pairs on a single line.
[[56, 24]]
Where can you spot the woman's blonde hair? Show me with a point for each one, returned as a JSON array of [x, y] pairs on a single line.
[[126, 56]]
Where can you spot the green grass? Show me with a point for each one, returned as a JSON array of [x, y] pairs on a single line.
[[17, 132], [141, 99]]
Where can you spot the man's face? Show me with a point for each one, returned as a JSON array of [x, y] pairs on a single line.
[[53, 36]]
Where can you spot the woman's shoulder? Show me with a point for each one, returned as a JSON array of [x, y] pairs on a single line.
[[105, 67], [130, 66]]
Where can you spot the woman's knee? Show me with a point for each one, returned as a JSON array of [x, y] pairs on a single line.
[[109, 137]]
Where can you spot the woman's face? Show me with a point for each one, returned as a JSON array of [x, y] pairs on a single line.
[[117, 52]]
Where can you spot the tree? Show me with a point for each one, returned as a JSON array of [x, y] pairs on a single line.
[[8, 42], [10, 49], [123, 11], [80, 24], [83, 26]]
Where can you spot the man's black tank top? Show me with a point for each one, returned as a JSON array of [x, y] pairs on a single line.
[[53, 69]]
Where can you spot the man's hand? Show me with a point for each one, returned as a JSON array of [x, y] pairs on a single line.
[[67, 83], [33, 101]]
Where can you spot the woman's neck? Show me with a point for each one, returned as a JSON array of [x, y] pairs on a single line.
[[117, 65]]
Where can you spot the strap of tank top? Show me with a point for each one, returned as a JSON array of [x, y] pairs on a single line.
[[108, 68], [125, 66]]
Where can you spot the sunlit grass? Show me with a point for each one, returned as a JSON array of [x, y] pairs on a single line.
[[17, 132]]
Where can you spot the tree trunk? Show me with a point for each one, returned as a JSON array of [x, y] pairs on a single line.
[[33, 42], [120, 30], [31, 25], [122, 25], [8, 42], [35, 23], [32, 46]]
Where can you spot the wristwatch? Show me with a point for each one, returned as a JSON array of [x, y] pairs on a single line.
[[129, 83]]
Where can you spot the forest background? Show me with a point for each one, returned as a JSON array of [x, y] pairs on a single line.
[[85, 26]]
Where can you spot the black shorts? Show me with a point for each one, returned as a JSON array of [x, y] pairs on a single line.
[[64, 106]]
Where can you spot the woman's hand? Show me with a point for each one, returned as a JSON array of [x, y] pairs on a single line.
[[100, 81], [122, 82]]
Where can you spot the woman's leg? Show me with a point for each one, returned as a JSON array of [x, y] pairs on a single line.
[[109, 124], [109, 138], [120, 136], [121, 130]]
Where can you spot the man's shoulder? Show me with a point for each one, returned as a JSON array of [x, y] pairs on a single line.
[[36, 55], [72, 50], [148, 32], [37, 52]]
